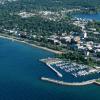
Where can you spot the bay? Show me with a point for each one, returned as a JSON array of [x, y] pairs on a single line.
[[20, 72]]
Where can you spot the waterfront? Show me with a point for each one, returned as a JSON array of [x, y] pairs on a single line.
[[20, 73], [71, 71]]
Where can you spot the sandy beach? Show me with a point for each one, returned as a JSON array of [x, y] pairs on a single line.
[[34, 45]]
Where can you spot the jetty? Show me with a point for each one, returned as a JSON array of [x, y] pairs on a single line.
[[68, 83], [48, 63], [57, 72]]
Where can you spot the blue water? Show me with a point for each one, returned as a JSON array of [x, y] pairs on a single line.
[[88, 16], [20, 72], [70, 78]]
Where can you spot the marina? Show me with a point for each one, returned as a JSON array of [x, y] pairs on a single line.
[[76, 70]]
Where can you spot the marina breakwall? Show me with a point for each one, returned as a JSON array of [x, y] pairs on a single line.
[[68, 83], [57, 72], [48, 64]]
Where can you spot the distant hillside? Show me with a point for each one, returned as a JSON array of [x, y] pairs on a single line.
[[63, 3], [50, 4], [3, 1]]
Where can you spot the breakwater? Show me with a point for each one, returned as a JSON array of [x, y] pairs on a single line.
[[49, 65], [57, 72], [97, 83], [68, 83]]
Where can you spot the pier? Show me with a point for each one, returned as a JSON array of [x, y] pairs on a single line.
[[58, 73], [68, 83], [47, 62]]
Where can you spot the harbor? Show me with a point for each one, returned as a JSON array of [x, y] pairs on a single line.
[[74, 69]]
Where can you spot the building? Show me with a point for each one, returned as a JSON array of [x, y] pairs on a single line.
[[65, 39], [54, 41]]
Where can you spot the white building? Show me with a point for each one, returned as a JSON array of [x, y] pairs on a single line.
[[85, 34]]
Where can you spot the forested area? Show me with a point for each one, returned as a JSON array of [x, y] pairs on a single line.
[[49, 4]]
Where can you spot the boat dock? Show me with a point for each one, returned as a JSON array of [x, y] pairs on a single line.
[[74, 69]]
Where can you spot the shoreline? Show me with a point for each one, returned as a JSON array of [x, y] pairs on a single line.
[[56, 52], [33, 45], [84, 83]]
